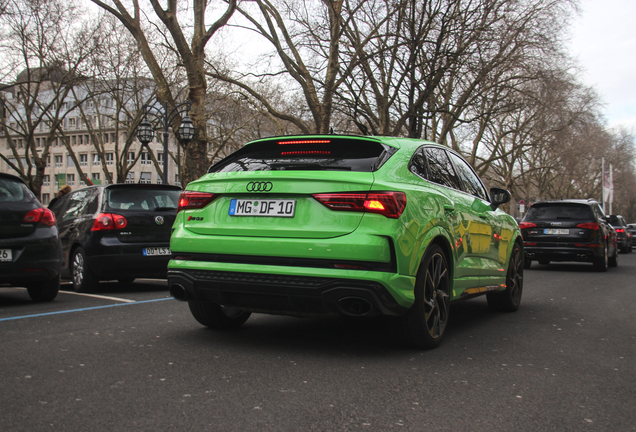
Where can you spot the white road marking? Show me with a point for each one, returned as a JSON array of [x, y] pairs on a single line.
[[99, 296]]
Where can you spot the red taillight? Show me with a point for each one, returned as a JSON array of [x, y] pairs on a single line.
[[620, 230], [42, 215], [195, 200], [588, 225], [306, 153], [389, 204], [524, 225], [109, 221]]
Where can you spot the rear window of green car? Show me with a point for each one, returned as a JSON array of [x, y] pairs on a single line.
[[325, 154]]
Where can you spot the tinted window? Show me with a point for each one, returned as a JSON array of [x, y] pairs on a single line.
[[14, 191], [440, 170], [418, 163], [324, 154], [560, 212], [470, 182], [616, 220], [142, 199]]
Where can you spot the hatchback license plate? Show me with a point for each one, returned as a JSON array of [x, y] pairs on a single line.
[[154, 251], [272, 208], [556, 231], [6, 255]]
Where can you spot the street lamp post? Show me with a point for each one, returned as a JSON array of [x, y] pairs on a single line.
[[145, 132]]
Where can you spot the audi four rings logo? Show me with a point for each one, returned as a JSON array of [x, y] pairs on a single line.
[[259, 186]]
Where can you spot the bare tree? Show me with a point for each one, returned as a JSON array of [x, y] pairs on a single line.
[[192, 55]]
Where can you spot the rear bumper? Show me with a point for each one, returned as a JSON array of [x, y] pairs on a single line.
[[580, 254], [36, 259], [284, 294], [111, 259]]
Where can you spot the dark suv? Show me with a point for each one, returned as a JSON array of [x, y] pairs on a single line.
[[569, 230], [116, 232], [30, 251], [623, 235]]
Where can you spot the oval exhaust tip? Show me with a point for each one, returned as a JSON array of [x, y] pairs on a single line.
[[178, 292]]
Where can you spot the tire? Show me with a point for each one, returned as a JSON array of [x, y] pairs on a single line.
[[613, 261], [510, 299], [125, 280], [424, 325], [216, 316], [84, 280], [44, 292], [527, 263], [601, 263]]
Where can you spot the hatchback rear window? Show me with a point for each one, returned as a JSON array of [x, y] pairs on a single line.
[[614, 220], [142, 199], [323, 154], [560, 212], [14, 191]]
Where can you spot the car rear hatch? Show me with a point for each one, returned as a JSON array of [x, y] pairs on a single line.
[[16, 201], [149, 212], [566, 224], [267, 188]]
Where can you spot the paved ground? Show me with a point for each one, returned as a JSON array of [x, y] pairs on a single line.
[[566, 361]]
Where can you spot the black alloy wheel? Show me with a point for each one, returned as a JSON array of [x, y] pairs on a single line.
[[84, 280], [510, 299], [425, 323]]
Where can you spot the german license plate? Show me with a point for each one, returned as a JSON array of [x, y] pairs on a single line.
[[5, 255], [272, 208], [154, 251], [556, 231]]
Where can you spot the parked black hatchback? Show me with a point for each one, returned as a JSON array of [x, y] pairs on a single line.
[[569, 230], [30, 251], [116, 232], [623, 235]]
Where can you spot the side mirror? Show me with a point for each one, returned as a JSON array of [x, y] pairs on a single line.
[[498, 197]]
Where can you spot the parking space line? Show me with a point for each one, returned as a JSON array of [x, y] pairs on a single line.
[[99, 296], [83, 309]]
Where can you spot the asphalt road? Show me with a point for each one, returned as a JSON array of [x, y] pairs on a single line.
[[135, 360]]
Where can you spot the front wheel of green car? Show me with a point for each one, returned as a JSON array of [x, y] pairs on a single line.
[[509, 299], [425, 323], [216, 316]]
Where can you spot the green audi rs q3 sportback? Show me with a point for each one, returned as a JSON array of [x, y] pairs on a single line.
[[343, 225]]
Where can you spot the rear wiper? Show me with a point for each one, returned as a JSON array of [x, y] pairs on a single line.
[[306, 167]]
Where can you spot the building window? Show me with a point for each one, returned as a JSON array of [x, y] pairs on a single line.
[[96, 159], [109, 158], [145, 158], [69, 161], [46, 198], [95, 176], [37, 142], [48, 161], [176, 180], [80, 139], [83, 159], [131, 158], [86, 141], [72, 123], [105, 137], [130, 177], [70, 179], [112, 137], [74, 140], [145, 178], [58, 161], [46, 180], [160, 158]]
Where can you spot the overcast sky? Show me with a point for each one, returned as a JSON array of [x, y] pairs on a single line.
[[604, 41]]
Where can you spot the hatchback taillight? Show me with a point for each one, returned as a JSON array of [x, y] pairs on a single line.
[[41, 215], [524, 225], [620, 230], [109, 221], [195, 200], [389, 204], [588, 225]]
